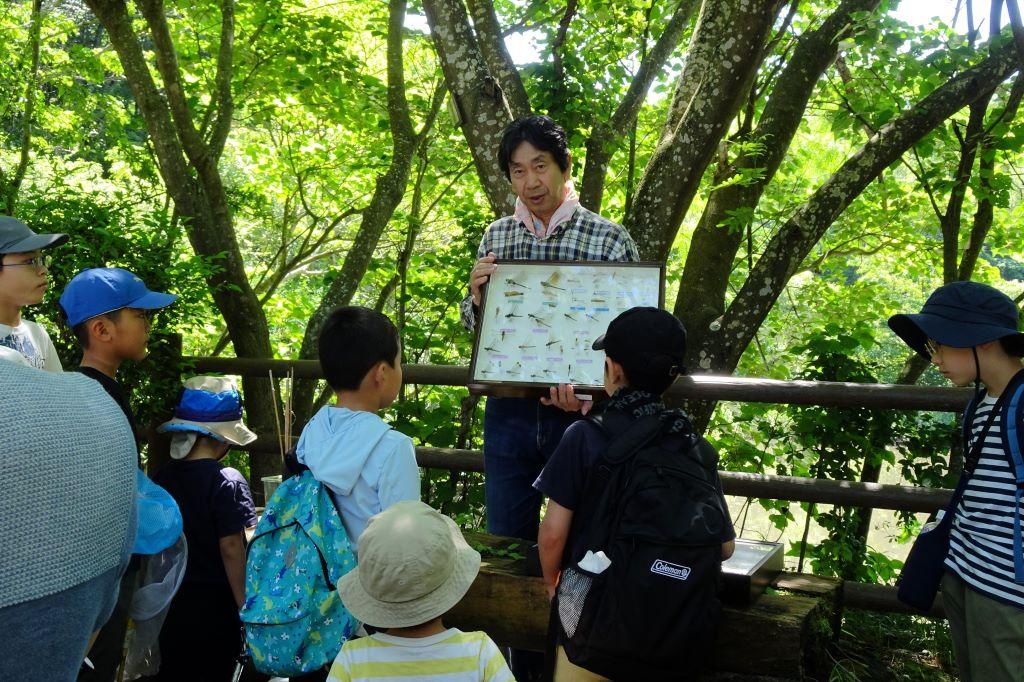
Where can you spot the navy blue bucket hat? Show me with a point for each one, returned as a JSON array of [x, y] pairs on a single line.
[[962, 315]]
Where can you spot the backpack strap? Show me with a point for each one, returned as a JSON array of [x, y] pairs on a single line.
[[1014, 416], [633, 439]]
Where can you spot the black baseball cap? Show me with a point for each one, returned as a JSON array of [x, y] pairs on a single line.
[[647, 342], [961, 315], [17, 237]]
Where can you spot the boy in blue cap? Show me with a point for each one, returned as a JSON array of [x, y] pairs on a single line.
[[108, 311], [23, 270], [969, 331]]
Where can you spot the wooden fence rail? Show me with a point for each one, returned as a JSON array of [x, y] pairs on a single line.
[[703, 387]]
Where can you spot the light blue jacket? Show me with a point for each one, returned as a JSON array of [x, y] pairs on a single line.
[[365, 464]]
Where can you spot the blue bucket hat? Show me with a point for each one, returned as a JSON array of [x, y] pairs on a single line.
[[961, 315], [103, 290], [211, 406]]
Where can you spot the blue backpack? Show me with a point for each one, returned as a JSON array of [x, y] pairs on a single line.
[[294, 620]]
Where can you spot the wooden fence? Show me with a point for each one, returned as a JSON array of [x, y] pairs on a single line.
[[718, 388]]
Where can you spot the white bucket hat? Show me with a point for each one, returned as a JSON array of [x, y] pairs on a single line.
[[210, 406], [414, 565]]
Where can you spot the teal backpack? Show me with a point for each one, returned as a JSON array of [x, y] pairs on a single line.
[[294, 620]]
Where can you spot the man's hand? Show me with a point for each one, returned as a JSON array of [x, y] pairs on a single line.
[[564, 397], [480, 274]]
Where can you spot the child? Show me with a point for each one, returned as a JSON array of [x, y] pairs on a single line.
[[644, 350], [414, 566], [365, 464], [23, 282], [970, 332], [107, 309], [201, 638]]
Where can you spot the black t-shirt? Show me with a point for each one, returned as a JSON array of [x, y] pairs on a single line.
[[215, 502], [120, 396]]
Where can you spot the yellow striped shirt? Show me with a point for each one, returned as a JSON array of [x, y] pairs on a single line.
[[452, 656]]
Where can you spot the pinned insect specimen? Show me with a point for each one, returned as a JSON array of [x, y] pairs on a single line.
[[512, 283], [570, 317], [552, 342], [538, 320], [497, 310], [592, 317], [524, 346], [551, 286], [491, 350], [511, 315]]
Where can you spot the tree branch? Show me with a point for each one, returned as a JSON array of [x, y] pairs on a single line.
[[491, 40], [225, 104], [606, 137]]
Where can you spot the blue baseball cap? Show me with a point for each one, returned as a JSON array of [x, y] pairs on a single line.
[[103, 290]]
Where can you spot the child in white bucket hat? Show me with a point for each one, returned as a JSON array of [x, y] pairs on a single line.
[[414, 566], [201, 637]]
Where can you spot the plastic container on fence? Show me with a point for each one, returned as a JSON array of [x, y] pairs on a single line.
[[270, 484]]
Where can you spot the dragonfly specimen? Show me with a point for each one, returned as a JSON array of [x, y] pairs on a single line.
[[538, 320]]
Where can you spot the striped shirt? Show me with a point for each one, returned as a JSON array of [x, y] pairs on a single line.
[[449, 656], [586, 236], [981, 537]]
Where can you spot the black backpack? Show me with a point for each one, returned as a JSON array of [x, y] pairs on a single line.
[[652, 504]]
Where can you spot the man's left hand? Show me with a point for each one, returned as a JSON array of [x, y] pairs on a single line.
[[564, 397]]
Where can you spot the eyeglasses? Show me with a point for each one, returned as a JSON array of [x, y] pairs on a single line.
[[931, 346], [38, 262]]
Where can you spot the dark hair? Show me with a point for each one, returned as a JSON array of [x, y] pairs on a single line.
[[541, 132], [1012, 345], [353, 341], [654, 376], [82, 332]]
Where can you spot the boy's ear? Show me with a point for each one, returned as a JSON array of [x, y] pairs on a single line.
[[378, 373], [99, 328]]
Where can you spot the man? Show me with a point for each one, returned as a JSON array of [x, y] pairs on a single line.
[[67, 518], [548, 224]]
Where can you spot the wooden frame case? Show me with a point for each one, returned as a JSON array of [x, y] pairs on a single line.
[[538, 320]]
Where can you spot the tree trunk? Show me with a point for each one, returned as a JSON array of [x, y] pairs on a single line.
[[479, 100], [499, 62], [713, 247], [188, 166], [606, 137], [719, 68], [793, 242], [387, 194], [785, 252]]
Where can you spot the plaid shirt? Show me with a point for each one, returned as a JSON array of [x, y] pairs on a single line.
[[584, 237]]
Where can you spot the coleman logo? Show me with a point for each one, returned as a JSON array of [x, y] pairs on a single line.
[[671, 570]]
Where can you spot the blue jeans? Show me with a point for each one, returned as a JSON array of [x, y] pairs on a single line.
[[519, 436]]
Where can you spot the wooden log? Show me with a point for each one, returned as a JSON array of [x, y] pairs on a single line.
[[764, 486], [698, 387]]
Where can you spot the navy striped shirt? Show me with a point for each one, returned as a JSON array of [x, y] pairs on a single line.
[[981, 538]]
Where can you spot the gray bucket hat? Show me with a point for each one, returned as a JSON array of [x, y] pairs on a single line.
[[414, 565], [17, 237]]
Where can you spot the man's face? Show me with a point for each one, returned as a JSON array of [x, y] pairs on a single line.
[[22, 278], [537, 180]]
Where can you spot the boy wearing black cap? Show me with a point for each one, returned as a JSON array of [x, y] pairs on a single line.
[[644, 350], [969, 331], [23, 282]]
